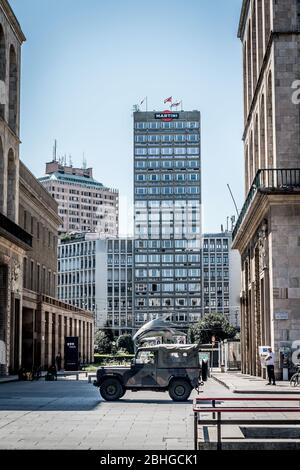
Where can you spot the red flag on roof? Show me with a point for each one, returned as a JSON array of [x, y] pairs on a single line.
[[168, 100]]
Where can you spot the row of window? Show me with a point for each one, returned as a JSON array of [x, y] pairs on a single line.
[[192, 258], [167, 302], [72, 264], [123, 260], [169, 273], [167, 190], [215, 245], [167, 164], [77, 249], [167, 177], [167, 125], [167, 151], [141, 139], [215, 259], [80, 277], [194, 244]]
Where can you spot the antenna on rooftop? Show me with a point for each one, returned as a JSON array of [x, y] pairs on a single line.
[[84, 164], [55, 150], [70, 160]]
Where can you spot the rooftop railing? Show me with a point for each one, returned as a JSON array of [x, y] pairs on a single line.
[[13, 229], [269, 180]]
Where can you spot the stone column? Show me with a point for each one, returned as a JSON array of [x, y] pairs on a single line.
[[49, 351]]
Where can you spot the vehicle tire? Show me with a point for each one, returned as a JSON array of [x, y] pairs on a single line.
[[179, 390], [295, 380], [111, 389], [123, 392]]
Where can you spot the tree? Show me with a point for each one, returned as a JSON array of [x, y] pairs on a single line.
[[212, 324], [103, 344], [126, 342]]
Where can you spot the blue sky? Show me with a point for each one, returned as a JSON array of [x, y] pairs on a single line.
[[87, 62]]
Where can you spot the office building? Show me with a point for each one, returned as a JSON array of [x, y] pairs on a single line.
[[84, 204], [167, 216], [221, 277], [96, 274]]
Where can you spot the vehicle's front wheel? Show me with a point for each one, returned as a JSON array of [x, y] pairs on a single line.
[[180, 390], [111, 389]]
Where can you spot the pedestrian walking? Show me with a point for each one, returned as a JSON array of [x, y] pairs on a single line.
[[269, 362], [58, 361]]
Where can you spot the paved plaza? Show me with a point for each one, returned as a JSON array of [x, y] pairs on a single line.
[[70, 414]]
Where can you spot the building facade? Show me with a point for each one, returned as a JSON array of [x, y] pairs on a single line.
[[167, 216], [268, 229], [45, 320], [33, 323], [14, 242], [84, 204], [221, 277], [96, 274]]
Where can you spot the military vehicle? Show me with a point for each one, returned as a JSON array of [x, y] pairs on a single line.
[[164, 367]]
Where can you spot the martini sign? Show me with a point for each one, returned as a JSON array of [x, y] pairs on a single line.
[[166, 116]]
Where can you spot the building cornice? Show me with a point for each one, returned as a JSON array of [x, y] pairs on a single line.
[[260, 206], [243, 16], [12, 19]]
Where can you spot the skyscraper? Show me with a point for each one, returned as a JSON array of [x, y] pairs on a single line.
[[167, 213]]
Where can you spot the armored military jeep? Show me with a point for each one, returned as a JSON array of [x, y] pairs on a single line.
[[175, 368]]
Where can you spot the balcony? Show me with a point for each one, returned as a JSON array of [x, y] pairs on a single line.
[[9, 228], [269, 181]]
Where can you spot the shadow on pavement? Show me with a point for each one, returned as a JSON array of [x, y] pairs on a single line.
[[49, 396]]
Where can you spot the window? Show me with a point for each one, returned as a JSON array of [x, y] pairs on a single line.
[[180, 151], [154, 302], [145, 357], [167, 258], [153, 151], [194, 287], [180, 287], [141, 258], [167, 164], [167, 138], [193, 177], [167, 151], [180, 138], [141, 138], [154, 177], [180, 272], [141, 125], [168, 273], [154, 273], [180, 302], [140, 177], [140, 151], [194, 272], [167, 177], [193, 151], [193, 138], [154, 258], [153, 164], [167, 287], [154, 138]]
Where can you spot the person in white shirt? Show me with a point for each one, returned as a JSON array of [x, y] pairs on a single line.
[[269, 362]]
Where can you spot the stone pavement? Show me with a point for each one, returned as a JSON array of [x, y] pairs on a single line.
[[70, 414], [237, 382]]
